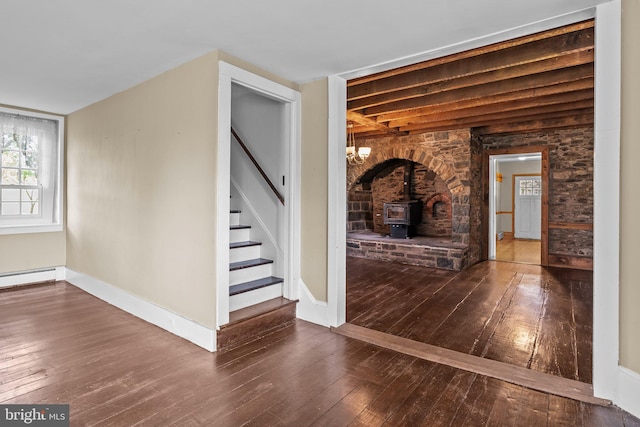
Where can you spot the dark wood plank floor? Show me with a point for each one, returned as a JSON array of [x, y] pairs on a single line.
[[61, 345], [525, 315]]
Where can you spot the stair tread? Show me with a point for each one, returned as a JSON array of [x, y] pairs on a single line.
[[254, 284], [247, 243], [238, 227], [258, 309], [249, 263]]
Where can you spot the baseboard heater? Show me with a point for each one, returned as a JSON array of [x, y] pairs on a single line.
[[27, 277]]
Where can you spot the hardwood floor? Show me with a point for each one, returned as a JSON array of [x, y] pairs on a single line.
[[61, 345], [524, 315], [518, 250]]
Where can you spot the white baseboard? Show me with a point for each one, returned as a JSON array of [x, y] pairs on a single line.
[[30, 277], [159, 316], [628, 395], [309, 308]]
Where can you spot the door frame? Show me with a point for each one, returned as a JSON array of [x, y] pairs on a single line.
[[227, 75], [488, 176], [606, 260]]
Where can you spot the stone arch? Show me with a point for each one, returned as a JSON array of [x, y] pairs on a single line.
[[443, 168]]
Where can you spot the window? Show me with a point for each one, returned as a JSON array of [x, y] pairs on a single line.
[[531, 187], [31, 147]]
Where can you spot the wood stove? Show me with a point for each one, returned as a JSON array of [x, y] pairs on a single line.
[[402, 217]]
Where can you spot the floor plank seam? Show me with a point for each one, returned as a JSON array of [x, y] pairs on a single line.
[[539, 381]]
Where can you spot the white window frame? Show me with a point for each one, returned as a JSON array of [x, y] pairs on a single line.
[[51, 215]]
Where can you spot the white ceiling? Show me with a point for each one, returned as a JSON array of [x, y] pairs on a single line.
[[60, 56]]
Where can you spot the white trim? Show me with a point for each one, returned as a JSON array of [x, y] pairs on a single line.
[[310, 309], [628, 391], [20, 278], [606, 229], [337, 204], [492, 207], [229, 74], [61, 273], [223, 188], [145, 310], [293, 212], [29, 229]]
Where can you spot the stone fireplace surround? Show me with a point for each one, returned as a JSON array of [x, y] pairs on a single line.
[[443, 171]]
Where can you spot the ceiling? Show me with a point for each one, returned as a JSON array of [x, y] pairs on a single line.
[[540, 81], [60, 56]]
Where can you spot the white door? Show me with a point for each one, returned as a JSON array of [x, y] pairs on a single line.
[[528, 207]]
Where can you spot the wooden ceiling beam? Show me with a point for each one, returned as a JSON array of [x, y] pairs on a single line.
[[370, 123], [533, 114], [550, 78], [551, 101], [512, 56], [474, 52], [578, 85], [536, 125], [556, 63]]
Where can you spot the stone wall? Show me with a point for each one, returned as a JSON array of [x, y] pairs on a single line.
[[388, 186], [446, 154], [570, 185], [360, 209]]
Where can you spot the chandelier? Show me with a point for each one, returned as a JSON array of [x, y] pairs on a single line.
[[355, 157]]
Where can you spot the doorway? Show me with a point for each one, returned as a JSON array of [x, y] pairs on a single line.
[[606, 190], [515, 211], [283, 105]]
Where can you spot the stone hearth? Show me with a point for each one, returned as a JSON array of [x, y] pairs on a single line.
[[436, 252]]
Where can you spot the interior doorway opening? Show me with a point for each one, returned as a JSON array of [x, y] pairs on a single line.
[[515, 210]]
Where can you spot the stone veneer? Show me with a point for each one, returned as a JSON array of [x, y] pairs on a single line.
[[452, 162], [455, 158], [412, 251]]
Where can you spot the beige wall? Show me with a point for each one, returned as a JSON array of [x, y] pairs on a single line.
[[314, 187], [21, 252], [630, 176], [140, 205]]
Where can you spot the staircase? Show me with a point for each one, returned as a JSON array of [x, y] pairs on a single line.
[[256, 305]]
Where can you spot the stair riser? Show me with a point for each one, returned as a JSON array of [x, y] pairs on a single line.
[[256, 326], [246, 299], [234, 218], [249, 274], [244, 254], [240, 235]]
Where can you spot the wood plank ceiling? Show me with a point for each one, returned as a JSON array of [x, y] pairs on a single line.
[[535, 82]]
